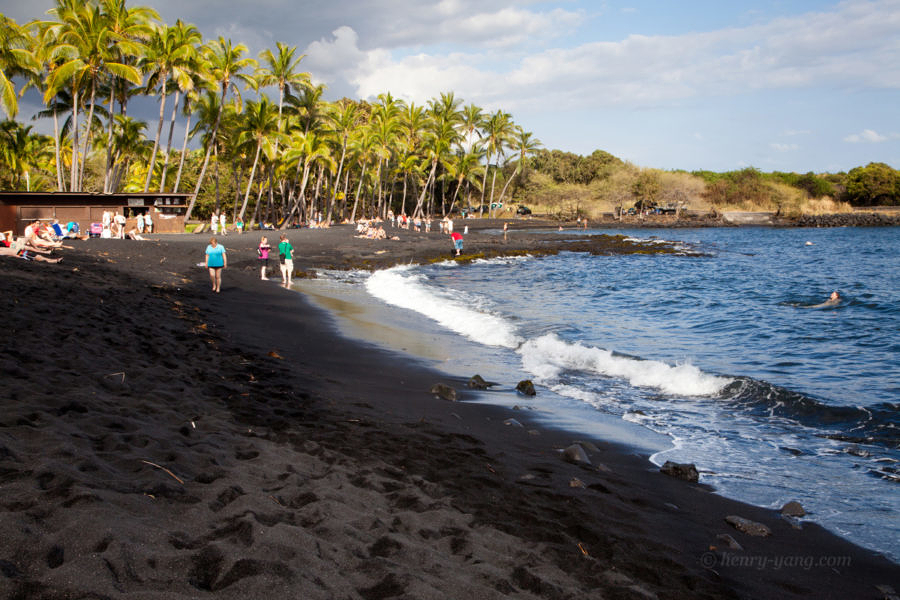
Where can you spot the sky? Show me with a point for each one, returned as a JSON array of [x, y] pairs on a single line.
[[779, 85]]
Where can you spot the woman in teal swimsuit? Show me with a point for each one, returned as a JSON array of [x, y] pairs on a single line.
[[216, 260]]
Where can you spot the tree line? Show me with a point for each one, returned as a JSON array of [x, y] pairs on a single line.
[[271, 147]]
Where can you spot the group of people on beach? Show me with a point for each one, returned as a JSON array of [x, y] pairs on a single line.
[[113, 225], [372, 229], [37, 244], [217, 261], [285, 259], [218, 224]]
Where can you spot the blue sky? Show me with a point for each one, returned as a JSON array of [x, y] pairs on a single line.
[[797, 85]]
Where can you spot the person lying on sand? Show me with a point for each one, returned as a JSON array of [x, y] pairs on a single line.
[[36, 237], [22, 252]]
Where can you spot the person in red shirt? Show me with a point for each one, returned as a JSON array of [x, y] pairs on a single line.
[[457, 241]]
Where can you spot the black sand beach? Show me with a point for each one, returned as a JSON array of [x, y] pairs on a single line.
[[158, 440]]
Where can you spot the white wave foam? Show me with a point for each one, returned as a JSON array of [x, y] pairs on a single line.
[[400, 287], [548, 356]]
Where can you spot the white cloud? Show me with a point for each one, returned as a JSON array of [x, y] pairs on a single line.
[[784, 147], [853, 46], [866, 135]]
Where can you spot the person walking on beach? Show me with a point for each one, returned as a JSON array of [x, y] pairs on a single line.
[[263, 252], [286, 256], [222, 227], [148, 222], [214, 223], [216, 260]]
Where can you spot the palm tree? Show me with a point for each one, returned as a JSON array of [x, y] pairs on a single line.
[[465, 168], [497, 131], [260, 126], [304, 150], [472, 121], [128, 144], [361, 145], [439, 140], [170, 55], [385, 125], [343, 117], [201, 79], [132, 24], [83, 44], [226, 63], [16, 58], [44, 35], [308, 106], [281, 71], [524, 146]]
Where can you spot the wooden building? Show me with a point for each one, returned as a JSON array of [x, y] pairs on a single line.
[[18, 209]]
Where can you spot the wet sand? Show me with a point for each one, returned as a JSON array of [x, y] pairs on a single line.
[[158, 440]]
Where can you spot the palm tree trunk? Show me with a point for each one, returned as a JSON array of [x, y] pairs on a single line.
[[508, 181], [344, 198], [73, 175], [256, 208], [159, 126], [418, 210], [216, 152], [107, 172], [250, 182], [358, 189], [493, 181], [403, 202], [187, 128], [340, 169], [238, 177], [453, 201], [299, 199], [59, 174], [314, 202], [162, 178], [87, 134], [215, 131], [487, 167]]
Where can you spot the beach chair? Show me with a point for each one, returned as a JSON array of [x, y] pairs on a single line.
[[96, 229]]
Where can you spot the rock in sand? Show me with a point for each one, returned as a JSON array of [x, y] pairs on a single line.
[[526, 387], [686, 471], [442, 390], [793, 509], [575, 454], [477, 382], [747, 526]]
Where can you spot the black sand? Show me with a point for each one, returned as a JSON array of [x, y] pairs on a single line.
[[161, 441]]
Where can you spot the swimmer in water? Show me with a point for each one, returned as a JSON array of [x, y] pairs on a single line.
[[833, 300]]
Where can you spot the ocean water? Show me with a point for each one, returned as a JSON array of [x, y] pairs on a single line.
[[720, 356]]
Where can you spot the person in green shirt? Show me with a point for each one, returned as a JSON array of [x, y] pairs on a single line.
[[286, 256]]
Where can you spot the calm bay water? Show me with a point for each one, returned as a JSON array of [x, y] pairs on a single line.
[[726, 355]]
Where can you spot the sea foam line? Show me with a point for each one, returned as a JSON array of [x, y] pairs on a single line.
[[399, 287], [548, 356]]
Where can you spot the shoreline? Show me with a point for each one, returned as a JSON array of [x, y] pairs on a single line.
[[252, 449]]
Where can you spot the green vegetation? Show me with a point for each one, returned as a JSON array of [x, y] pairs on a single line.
[[297, 157]]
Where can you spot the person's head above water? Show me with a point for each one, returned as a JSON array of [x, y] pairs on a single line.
[[834, 296]]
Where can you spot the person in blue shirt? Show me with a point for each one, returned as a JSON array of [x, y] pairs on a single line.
[[216, 260]]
